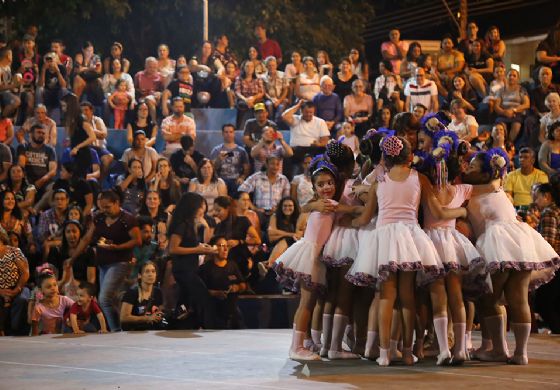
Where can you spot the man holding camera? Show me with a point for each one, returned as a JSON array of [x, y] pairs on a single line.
[[230, 160], [52, 81], [271, 144]]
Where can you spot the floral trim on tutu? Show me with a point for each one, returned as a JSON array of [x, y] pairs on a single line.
[[291, 280], [552, 265], [336, 263], [431, 273]]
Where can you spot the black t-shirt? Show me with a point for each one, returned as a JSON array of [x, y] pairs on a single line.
[[79, 268], [537, 96], [118, 233], [220, 278], [254, 130], [184, 90], [146, 306], [37, 160], [52, 87], [477, 63], [233, 228], [77, 190], [544, 46], [343, 88], [180, 167], [189, 239], [148, 129], [241, 255]]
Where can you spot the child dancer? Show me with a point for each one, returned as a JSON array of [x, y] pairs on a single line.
[[398, 247], [516, 255], [47, 317], [119, 102], [454, 249], [338, 254], [300, 267]]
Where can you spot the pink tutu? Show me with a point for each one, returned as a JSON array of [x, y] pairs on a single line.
[[341, 248], [300, 264]]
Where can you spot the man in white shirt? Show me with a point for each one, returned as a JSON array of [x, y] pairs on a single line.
[[421, 90], [308, 134]]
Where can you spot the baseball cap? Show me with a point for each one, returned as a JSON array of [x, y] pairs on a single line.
[[259, 107]]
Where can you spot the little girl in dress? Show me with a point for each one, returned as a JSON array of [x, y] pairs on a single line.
[[398, 247], [299, 266], [119, 102], [48, 313], [517, 256]]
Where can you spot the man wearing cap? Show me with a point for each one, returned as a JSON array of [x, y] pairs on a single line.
[[309, 134], [254, 127]]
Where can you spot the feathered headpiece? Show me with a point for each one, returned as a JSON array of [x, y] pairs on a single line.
[[434, 122]]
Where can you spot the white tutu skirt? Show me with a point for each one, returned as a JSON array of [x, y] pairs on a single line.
[[341, 247], [300, 264], [395, 247], [515, 245], [458, 254]]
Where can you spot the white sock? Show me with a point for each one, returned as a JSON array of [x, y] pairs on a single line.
[[339, 326], [383, 354], [327, 330], [459, 333], [297, 342], [521, 331], [440, 327], [316, 336], [468, 339], [371, 340]]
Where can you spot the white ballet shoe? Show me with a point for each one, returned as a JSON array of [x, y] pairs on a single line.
[[520, 360], [408, 357], [444, 359], [304, 354], [492, 356], [341, 355], [383, 362]]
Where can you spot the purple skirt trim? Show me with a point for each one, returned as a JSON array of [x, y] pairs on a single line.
[[553, 264], [292, 280], [364, 280], [330, 261]]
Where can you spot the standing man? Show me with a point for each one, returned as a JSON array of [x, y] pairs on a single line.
[[267, 47]]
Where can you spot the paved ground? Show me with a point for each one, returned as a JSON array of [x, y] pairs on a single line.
[[244, 359]]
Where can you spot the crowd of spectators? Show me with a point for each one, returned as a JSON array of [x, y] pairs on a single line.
[[170, 237]]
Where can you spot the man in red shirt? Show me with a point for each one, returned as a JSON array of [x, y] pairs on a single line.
[[267, 47], [149, 85]]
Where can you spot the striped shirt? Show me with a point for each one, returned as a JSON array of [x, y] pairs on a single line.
[[421, 94]]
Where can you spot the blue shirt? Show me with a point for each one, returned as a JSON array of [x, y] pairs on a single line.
[[329, 108]]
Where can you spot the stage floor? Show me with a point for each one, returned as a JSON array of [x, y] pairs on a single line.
[[243, 359]]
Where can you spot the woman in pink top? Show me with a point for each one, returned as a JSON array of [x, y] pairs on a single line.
[[398, 247], [517, 256], [299, 266]]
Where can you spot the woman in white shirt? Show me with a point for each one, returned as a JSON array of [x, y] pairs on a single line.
[[464, 125]]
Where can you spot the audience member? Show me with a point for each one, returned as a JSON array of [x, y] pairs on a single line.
[[410, 62], [253, 56], [49, 228], [464, 125], [358, 108], [116, 53], [147, 155], [267, 47], [271, 144], [511, 103], [252, 133], [230, 160], [307, 82], [9, 101], [479, 67], [48, 313], [184, 161], [249, 91], [207, 183], [472, 36], [394, 50], [276, 89], [549, 153], [301, 187], [165, 65], [548, 52], [450, 62], [460, 90], [343, 79], [420, 90], [328, 104], [52, 82], [234, 228], [494, 44], [100, 143], [552, 102], [388, 86], [324, 64], [149, 85], [518, 183], [294, 68], [175, 126], [181, 86], [166, 184], [40, 118]]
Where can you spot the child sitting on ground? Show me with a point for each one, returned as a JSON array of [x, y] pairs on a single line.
[[48, 313], [85, 314]]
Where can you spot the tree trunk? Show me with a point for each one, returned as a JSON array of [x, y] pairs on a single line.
[[463, 15]]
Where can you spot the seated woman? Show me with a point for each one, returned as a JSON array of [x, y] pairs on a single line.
[[358, 107], [307, 82], [249, 90], [166, 184], [142, 122], [143, 153], [324, 64], [224, 282], [142, 305], [462, 91], [83, 269], [133, 187], [207, 183], [344, 79], [232, 227], [284, 228], [480, 66], [549, 154], [388, 87], [295, 68], [411, 60], [511, 104], [166, 65], [464, 125], [109, 81], [153, 208], [12, 220], [495, 46], [254, 57], [243, 203], [25, 192], [552, 102]]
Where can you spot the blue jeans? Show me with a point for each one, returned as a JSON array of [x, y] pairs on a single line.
[[111, 282]]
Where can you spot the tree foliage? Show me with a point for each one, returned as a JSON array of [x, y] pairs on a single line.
[[141, 25]]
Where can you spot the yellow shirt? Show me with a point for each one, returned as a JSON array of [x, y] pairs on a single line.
[[519, 185]]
